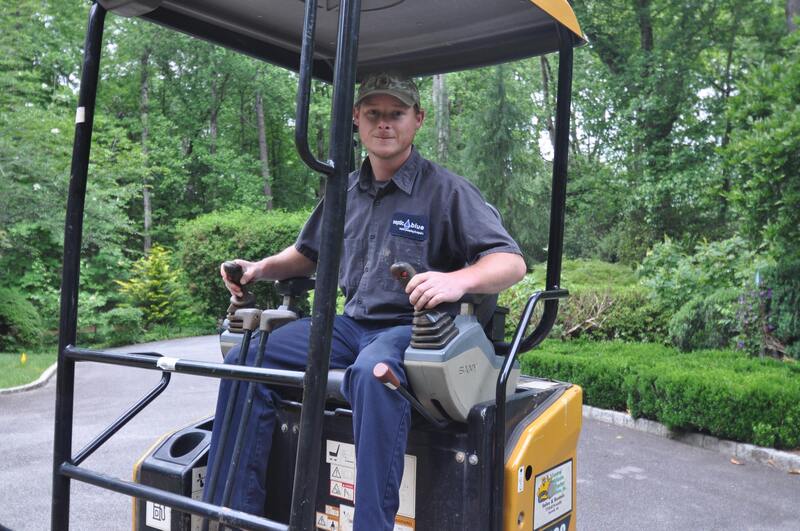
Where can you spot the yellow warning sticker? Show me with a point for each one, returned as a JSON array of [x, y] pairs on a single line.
[[327, 522], [403, 523]]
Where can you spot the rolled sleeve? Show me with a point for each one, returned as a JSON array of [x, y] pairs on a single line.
[[307, 242], [478, 226]]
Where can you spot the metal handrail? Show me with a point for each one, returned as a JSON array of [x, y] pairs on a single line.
[[304, 92]]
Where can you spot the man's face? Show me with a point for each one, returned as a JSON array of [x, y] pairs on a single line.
[[387, 126]]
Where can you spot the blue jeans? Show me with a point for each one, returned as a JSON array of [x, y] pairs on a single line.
[[381, 417]]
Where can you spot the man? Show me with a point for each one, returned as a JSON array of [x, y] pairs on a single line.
[[400, 207]]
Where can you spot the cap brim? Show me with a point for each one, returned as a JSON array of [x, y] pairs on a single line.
[[399, 95]]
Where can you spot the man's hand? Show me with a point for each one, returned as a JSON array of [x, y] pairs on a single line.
[[249, 271], [428, 290]]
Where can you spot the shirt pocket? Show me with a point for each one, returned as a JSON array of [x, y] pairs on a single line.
[[351, 267], [398, 249]]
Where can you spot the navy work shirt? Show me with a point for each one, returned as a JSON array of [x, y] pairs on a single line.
[[425, 215]]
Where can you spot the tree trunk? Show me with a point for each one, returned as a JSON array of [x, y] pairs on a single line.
[[213, 119], [441, 109], [262, 149], [792, 11], [547, 74], [144, 108]]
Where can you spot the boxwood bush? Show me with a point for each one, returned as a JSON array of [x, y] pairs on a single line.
[[720, 392], [208, 240]]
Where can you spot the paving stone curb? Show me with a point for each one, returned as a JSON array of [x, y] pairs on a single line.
[[39, 382], [779, 460]]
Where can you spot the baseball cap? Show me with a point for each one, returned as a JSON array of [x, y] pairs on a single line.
[[401, 87]]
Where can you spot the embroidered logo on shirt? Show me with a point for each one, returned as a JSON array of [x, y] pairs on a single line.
[[409, 226]]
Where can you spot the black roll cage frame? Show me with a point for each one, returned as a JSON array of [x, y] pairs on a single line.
[[313, 380]]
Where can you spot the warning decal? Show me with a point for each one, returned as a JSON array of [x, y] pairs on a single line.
[[346, 491], [346, 513], [327, 522], [342, 460], [408, 488], [552, 494], [198, 482], [339, 453], [158, 516], [401, 523]]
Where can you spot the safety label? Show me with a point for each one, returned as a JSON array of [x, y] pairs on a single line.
[[346, 513], [327, 522], [198, 482], [339, 453], [343, 473], [342, 460], [346, 491], [408, 488], [158, 516], [552, 494], [401, 523]]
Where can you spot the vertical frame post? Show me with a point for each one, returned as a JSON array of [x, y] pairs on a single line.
[[324, 310], [554, 251], [73, 229]]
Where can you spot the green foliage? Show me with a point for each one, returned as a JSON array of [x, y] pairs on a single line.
[[675, 277], [765, 153], [19, 321], [633, 316], [706, 322], [122, 326], [722, 393], [701, 291], [153, 287], [207, 241], [604, 303], [782, 291]]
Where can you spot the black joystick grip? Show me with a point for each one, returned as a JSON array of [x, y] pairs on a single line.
[[234, 272], [402, 271]]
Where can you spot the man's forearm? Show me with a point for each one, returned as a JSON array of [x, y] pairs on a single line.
[[286, 264], [492, 273]]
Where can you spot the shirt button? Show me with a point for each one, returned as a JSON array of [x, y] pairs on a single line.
[[377, 202], [366, 268], [359, 301], [371, 236]]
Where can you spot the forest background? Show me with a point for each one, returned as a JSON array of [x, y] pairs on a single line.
[[682, 223]]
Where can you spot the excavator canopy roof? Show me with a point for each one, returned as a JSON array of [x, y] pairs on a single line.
[[415, 37]]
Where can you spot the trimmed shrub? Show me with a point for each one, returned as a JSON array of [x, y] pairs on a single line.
[[19, 321], [722, 393], [208, 240]]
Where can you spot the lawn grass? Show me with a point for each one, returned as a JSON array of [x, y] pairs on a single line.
[[13, 372]]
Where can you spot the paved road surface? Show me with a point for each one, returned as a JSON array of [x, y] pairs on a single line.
[[627, 480]]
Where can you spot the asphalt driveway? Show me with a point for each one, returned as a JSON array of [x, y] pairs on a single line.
[[627, 480]]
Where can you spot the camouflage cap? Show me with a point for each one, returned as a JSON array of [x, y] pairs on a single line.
[[401, 87]]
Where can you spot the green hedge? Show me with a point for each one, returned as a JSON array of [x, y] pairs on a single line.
[[722, 393], [208, 240]]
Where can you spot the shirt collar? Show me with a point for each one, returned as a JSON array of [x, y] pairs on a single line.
[[404, 178]]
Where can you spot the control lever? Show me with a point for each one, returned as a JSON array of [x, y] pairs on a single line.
[[234, 273], [387, 377], [402, 271]]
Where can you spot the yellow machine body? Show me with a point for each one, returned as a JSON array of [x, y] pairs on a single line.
[[540, 467]]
